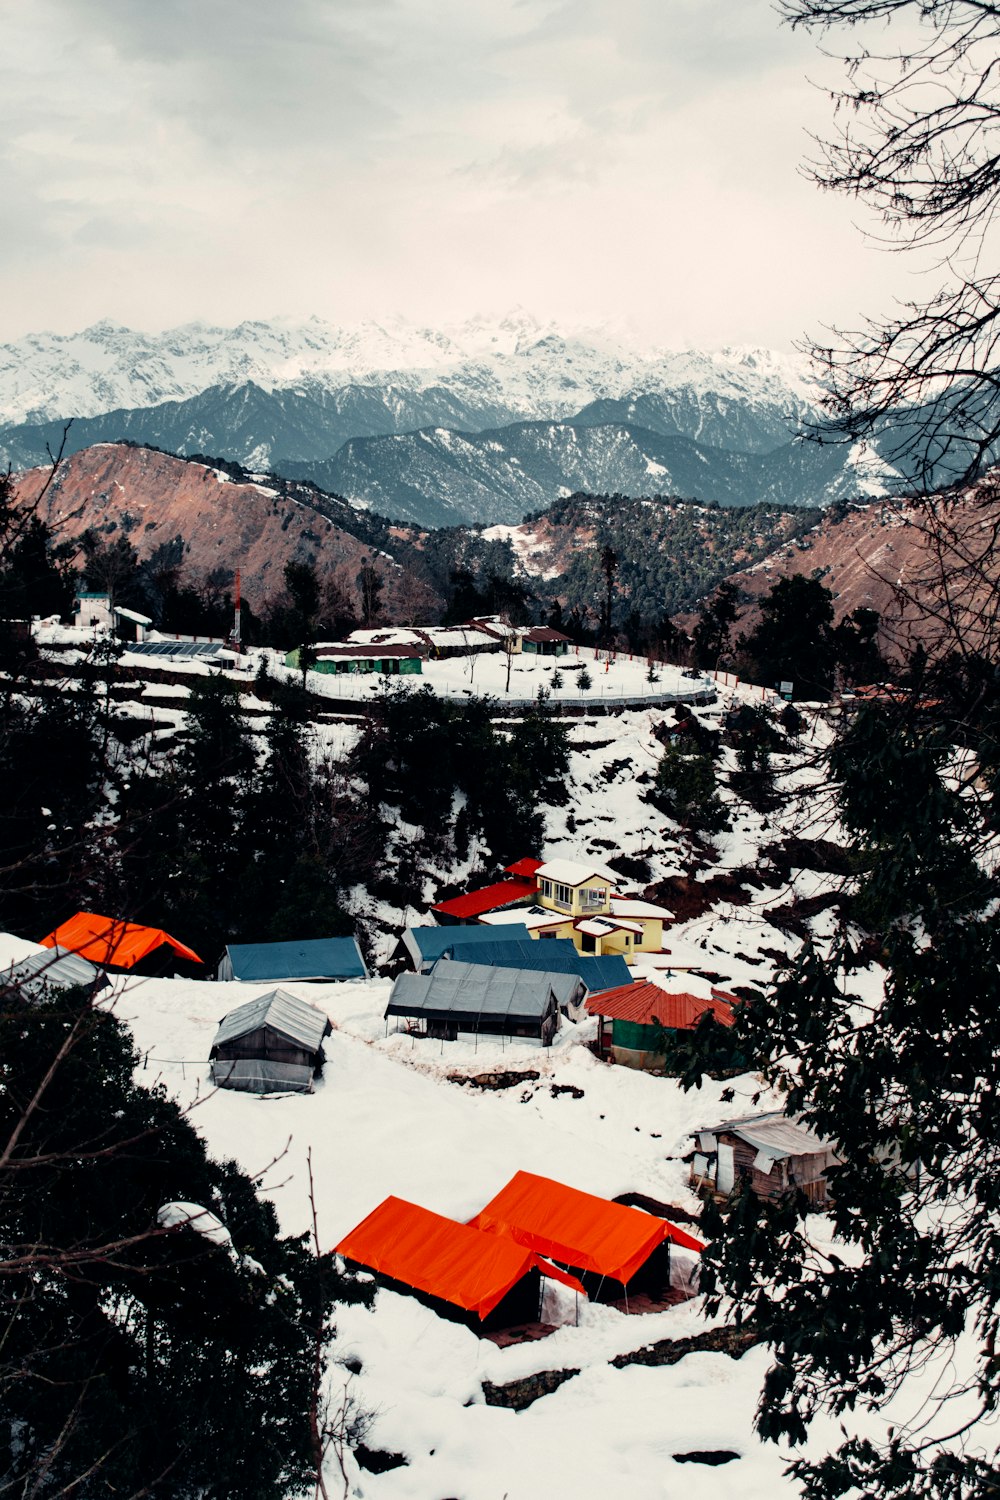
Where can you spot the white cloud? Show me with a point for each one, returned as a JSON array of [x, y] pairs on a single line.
[[588, 159]]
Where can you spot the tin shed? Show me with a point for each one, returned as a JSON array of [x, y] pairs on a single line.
[[269, 1045], [774, 1153]]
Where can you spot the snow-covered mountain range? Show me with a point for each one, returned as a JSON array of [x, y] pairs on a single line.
[[478, 423], [513, 365]]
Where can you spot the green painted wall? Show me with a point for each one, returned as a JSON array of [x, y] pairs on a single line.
[[632, 1034], [407, 666]]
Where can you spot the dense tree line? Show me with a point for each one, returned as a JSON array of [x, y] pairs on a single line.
[[139, 1358]]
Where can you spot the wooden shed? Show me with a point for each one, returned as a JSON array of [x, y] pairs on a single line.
[[270, 1045], [774, 1153]]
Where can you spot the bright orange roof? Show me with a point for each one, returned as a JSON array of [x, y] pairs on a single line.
[[577, 1228], [106, 940], [645, 1002], [436, 1255]]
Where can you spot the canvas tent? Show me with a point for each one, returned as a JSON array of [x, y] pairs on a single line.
[[555, 956], [479, 1279], [315, 959], [115, 944], [473, 998], [611, 1247], [50, 969], [269, 1045]]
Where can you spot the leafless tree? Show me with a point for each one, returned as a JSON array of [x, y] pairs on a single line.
[[918, 115]]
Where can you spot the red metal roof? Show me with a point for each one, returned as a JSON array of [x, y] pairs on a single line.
[[545, 633], [645, 1002], [490, 898], [525, 868]]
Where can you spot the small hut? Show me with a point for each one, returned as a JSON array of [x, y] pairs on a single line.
[[633, 1017], [269, 1045], [484, 1281], [615, 1250], [541, 640], [774, 1153]]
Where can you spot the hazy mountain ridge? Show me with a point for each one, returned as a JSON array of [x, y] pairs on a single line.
[[480, 424], [514, 362], [439, 477]]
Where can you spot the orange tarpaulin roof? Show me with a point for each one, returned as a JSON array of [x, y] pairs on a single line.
[[438, 1256], [577, 1228], [106, 940]]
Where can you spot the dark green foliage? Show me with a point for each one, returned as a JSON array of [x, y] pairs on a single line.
[[685, 789], [418, 752], [908, 825], [52, 776], [670, 554], [908, 1091], [793, 641], [755, 738], [855, 647], [708, 1049], [712, 636], [135, 1360]]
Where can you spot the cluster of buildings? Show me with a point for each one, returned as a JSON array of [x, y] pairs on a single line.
[[551, 942], [397, 650]]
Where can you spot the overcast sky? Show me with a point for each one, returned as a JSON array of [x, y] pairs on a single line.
[[591, 160]]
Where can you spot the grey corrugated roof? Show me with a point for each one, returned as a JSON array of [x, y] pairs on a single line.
[[55, 967], [777, 1134], [473, 989], [286, 1013]]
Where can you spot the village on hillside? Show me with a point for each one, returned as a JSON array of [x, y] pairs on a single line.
[[516, 1164]]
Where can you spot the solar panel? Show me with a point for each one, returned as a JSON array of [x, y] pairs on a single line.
[[175, 648]]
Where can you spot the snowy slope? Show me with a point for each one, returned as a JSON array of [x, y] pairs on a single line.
[[386, 1118]]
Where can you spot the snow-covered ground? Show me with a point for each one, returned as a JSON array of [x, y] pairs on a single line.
[[385, 1119]]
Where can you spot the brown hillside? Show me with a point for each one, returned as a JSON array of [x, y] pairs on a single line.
[[153, 497], [931, 570]]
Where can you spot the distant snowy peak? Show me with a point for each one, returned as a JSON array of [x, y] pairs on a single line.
[[535, 370]]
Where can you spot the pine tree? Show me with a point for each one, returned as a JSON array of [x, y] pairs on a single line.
[[138, 1360], [907, 1090]]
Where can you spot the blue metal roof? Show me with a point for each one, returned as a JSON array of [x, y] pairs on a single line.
[[434, 942], [548, 955], [314, 958]]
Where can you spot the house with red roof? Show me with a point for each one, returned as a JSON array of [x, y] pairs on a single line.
[[631, 1018], [563, 898]]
